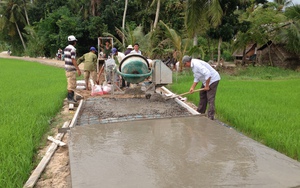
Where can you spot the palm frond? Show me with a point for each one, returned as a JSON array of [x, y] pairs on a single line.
[[215, 13]]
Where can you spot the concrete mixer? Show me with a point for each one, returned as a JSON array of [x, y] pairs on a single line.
[[134, 68]]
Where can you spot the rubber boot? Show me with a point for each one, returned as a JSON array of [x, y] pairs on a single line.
[[71, 98]]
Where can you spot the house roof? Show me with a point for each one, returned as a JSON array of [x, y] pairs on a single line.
[[265, 45], [239, 52]]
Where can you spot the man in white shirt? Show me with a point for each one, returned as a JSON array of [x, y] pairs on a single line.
[[209, 77], [136, 49]]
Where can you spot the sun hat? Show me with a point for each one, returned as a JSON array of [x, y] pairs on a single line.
[[129, 46], [71, 38], [186, 58], [93, 49], [114, 51]]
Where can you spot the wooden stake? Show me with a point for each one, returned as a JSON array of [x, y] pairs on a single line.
[[58, 142], [43, 163]]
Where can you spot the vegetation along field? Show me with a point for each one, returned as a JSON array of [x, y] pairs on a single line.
[[31, 94], [261, 102]]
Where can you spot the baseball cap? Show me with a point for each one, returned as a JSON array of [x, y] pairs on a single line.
[[93, 49], [71, 38], [113, 51], [129, 46]]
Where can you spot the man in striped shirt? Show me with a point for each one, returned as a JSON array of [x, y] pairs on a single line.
[[71, 67]]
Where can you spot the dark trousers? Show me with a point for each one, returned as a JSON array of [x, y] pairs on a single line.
[[123, 83], [208, 97]]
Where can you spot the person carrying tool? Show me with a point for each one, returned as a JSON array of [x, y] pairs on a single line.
[[71, 67], [210, 79], [90, 66]]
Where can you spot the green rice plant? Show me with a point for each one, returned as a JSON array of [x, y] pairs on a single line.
[[31, 95], [266, 110], [264, 73]]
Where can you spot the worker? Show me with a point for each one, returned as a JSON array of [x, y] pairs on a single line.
[[210, 79], [110, 65], [106, 49], [129, 49], [119, 57], [136, 49], [90, 66], [71, 67]]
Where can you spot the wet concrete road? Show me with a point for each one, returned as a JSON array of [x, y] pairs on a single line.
[[174, 152]]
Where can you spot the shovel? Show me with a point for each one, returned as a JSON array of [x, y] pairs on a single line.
[[171, 96]]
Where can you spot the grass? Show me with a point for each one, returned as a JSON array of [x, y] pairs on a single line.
[[31, 95], [261, 102]]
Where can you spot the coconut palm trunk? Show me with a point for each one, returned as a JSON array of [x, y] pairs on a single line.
[[156, 14], [25, 11], [123, 22], [219, 50], [21, 37]]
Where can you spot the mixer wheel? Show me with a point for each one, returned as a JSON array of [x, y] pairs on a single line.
[[148, 96]]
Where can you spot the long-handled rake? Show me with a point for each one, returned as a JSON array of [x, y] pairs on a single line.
[[171, 95]]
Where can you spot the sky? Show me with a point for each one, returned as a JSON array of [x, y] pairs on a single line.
[[294, 1]]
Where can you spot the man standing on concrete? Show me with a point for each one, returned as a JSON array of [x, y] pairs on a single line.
[[71, 67], [210, 79], [90, 66]]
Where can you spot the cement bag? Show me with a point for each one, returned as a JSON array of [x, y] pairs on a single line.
[[106, 88], [96, 90]]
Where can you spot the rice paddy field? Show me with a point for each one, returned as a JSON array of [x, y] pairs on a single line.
[[31, 95], [261, 102]]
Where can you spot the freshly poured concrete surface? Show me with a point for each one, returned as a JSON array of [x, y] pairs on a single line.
[[174, 152]]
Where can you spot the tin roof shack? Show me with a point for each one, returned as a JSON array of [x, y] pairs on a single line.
[[278, 56], [250, 55]]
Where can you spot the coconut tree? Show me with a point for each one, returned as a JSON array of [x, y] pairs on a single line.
[[25, 12], [290, 35], [94, 5], [200, 15], [12, 17], [283, 3], [195, 17], [179, 44], [157, 12], [130, 36]]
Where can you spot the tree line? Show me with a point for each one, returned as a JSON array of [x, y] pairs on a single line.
[[210, 29]]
